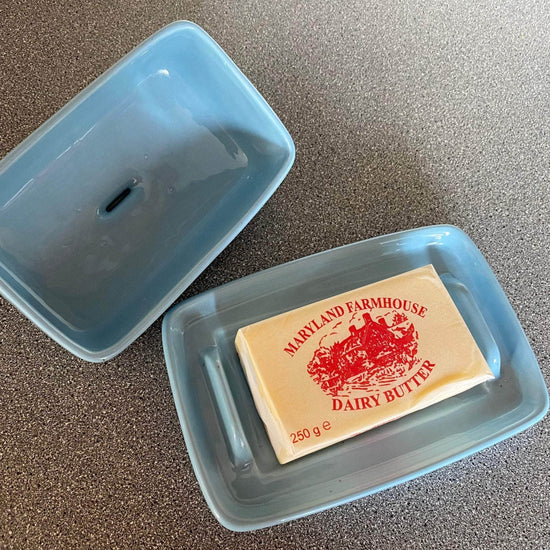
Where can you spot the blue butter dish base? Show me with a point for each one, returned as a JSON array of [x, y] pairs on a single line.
[[119, 201], [244, 485]]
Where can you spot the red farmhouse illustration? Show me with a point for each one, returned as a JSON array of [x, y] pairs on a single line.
[[376, 354]]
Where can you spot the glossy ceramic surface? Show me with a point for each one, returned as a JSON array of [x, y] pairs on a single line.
[[242, 481], [118, 202]]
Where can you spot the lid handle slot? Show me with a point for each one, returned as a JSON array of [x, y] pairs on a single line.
[[118, 199]]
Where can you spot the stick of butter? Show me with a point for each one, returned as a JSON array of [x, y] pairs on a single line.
[[336, 368]]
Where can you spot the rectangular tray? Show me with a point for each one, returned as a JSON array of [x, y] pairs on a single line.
[[119, 201], [243, 483]]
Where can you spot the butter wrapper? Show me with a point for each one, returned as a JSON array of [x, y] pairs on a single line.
[[336, 368]]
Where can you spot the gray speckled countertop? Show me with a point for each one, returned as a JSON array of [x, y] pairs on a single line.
[[404, 113]]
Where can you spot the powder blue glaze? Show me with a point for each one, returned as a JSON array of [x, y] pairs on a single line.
[[200, 151], [243, 483]]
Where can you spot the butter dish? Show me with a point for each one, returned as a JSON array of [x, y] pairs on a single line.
[[243, 483]]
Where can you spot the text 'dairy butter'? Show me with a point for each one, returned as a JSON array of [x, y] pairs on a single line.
[[335, 368]]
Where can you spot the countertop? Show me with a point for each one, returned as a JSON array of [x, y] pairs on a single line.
[[404, 114]]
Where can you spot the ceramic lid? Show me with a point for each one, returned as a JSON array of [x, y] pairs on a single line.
[[116, 204]]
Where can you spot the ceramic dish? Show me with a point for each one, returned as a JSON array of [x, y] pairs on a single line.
[[117, 203], [243, 483]]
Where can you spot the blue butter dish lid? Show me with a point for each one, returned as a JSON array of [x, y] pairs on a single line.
[[119, 201]]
